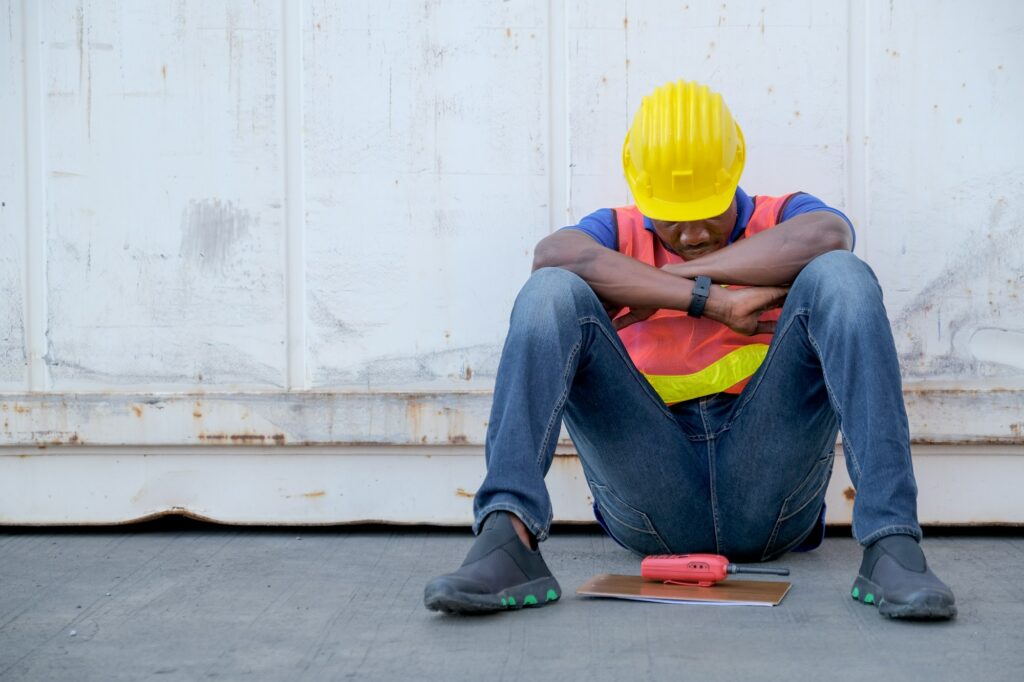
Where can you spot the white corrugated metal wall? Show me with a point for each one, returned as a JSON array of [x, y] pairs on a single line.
[[258, 255]]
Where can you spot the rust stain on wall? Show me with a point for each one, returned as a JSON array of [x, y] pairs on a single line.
[[248, 438], [314, 494], [137, 409], [981, 440], [462, 492], [414, 413], [44, 439]]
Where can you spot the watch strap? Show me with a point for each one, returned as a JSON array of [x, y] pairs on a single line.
[[699, 296]]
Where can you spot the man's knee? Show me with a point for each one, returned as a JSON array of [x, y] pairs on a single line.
[[840, 277], [555, 279], [553, 286]]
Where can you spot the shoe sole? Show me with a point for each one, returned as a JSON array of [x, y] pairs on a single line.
[[927, 606], [533, 594]]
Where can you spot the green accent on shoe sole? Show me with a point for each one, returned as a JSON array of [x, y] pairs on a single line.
[[856, 593], [504, 602], [530, 599], [552, 595], [511, 601], [869, 598]]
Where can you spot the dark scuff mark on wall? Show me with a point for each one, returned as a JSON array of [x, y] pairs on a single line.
[[211, 230], [467, 363], [979, 289], [321, 315], [229, 363]]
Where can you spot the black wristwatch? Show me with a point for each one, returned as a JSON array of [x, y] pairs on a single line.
[[701, 290]]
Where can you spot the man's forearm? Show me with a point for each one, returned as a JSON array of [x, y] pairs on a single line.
[[773, 257], [617, 279], [621, 281]]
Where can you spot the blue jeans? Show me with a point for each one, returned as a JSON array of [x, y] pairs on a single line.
[[743, 476]]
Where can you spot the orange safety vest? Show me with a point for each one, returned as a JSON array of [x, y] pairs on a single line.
[[682, 357]]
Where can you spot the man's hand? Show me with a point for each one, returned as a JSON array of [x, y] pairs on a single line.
[[633, 316], [738, 309]]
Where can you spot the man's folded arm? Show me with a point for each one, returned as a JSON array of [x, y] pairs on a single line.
[[621, 282], [617, 279], [773, 257]]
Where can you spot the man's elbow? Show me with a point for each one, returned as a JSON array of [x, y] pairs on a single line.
[[560, 250], [836, 235], [547, 254]]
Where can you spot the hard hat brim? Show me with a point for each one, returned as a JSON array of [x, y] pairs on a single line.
[[711, 207]]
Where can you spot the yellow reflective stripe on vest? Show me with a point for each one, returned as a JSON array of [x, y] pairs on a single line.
[[733, 368]]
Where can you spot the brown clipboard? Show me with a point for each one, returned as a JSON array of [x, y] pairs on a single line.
[[731, 592]]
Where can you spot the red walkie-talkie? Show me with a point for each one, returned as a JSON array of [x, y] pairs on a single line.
[[696, 569]]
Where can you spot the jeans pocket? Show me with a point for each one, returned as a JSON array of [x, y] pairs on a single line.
[[627, 525], [800, 509]]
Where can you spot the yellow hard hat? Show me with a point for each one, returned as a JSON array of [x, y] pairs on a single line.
[[684, 153]]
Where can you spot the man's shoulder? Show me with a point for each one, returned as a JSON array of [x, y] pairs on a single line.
[[601, 225], [789, 206]]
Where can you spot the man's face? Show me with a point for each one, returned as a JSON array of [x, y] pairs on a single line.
[[696, 238]]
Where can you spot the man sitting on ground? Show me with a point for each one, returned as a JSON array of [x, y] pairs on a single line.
[[705, 416]]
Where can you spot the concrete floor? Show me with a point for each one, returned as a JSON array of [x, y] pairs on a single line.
[[184, 601]]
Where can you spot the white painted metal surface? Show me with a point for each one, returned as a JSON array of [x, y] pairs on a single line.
[[343, 484], [237, 231]]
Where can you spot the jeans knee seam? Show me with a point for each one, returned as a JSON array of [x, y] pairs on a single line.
[[751, 389], [712, 485], [785, 514], [637, 376], [650, 530], [771, 539], [782, 550], [546, 440], [810, 499], [847, 445]]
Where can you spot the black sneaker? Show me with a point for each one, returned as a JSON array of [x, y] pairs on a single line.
[[895, 576], [499, 573]]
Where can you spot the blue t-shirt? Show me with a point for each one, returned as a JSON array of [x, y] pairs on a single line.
[[601, 223]]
